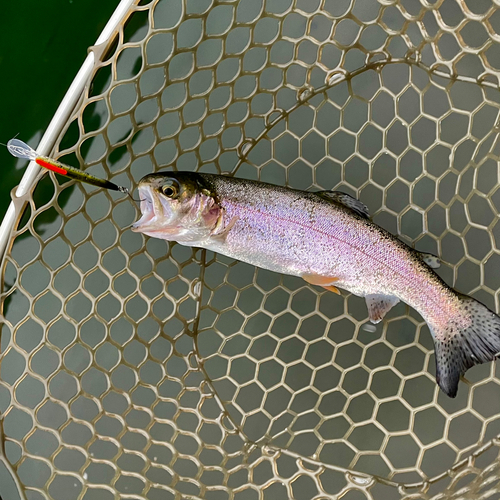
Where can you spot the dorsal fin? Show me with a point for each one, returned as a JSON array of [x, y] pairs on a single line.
[[347, 200]]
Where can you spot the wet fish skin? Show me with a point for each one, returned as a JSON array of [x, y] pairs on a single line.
[[329, 241]]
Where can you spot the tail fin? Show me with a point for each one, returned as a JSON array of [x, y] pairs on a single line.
[[460, 347]]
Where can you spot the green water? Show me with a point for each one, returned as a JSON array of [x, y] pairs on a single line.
[[42, 46]]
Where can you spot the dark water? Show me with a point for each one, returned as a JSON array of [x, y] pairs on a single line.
[[42, 46]]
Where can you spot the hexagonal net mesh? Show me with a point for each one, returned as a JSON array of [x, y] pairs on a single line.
[[131, 368]]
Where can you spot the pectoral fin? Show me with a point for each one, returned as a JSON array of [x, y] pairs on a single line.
[[324, 281], [379, 306], [220, 233]]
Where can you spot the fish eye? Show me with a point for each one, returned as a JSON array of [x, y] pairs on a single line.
[[170, 188]]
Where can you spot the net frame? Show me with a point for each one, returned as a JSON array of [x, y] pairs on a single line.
[[255, 455]]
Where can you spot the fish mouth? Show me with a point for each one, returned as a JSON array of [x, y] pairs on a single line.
[[149, 210]]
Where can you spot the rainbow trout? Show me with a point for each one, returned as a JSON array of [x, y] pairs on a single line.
[[327, 238]]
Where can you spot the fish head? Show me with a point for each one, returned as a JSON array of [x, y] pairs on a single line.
[[177, 206]]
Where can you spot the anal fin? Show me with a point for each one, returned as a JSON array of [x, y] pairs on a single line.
[[220, 233], [379, 306]]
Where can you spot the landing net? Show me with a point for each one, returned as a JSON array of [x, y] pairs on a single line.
[[131, 368]]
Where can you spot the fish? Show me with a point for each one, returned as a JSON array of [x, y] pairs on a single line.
[[329, 240]]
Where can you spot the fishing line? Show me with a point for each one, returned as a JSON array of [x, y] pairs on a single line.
[[138, 199], [2, 144]]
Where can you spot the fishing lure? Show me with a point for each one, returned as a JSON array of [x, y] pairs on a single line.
[[20, 149]]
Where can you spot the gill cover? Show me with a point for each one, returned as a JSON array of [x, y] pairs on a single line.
[[177, 206]]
